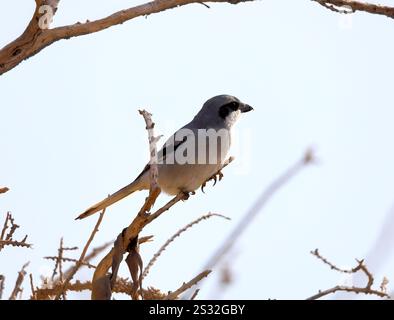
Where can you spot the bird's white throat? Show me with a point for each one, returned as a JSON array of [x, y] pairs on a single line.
[[232, 118]]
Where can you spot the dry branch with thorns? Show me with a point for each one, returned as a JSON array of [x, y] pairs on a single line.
[[177, 234], [360, 267], [186, 286], [80, 261], [18, 284], [7, 233]]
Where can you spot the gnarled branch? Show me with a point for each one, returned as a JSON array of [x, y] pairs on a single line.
[[37, 36]]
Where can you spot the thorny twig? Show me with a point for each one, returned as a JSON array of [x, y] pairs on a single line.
[[96, 251], [33, 291], [58, 263], [13, 228], [48, 293], [70, 248], [194, 295], [65, 259], [307, 159], [255, 209], [360, 267], [177, 234], [18, 282], [82, 257], [5, 226], [7, 240], [14, 243], [174, 295]]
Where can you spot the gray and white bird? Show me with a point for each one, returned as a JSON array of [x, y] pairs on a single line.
[[192, 155]]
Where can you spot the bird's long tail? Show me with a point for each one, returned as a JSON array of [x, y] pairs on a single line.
[[118, 195]]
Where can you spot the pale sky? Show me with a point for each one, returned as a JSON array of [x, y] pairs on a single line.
[[71, 134]]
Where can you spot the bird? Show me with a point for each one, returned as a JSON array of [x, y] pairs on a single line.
[[191, 156]]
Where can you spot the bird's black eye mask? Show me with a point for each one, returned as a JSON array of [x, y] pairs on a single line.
[[226, 109]]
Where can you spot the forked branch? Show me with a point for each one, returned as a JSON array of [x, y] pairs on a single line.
[[38, 34], [360, 267]]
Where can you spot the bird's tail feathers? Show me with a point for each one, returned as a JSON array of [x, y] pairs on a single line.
[[118, 195]]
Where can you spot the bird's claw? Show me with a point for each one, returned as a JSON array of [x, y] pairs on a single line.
[[218, 175], [186, 195]]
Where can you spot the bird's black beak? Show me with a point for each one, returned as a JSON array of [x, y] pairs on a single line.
[[245, 108]]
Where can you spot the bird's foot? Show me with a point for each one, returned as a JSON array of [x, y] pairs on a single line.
[[186, 195], [218, 175]]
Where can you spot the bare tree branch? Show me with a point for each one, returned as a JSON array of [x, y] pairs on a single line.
[[58, 263], [262, 200], [48, 293], [82, 257], [267, 194], [37, 36], [13, 228], [18, 283], [343, 6], [194, 295], [96, 251], [174, 295], [14, 243], [360, 267], [33, 291], [5, 226], [7, 240], [177, 234], [65, 259]]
